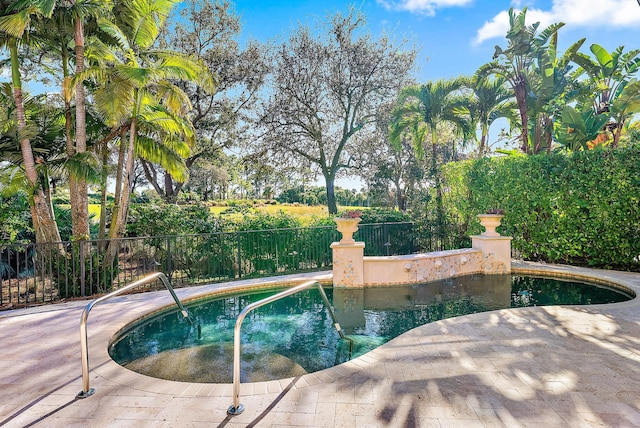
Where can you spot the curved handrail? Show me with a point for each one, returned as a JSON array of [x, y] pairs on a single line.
[[236, 408], [84, 340]]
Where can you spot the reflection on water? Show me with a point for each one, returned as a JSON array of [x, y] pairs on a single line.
[[296, 335]]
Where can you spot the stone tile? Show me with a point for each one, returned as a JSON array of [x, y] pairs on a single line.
[[460, 423], [531, 367]]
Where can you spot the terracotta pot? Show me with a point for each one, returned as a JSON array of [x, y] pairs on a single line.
[[490, 222], [347, 226]]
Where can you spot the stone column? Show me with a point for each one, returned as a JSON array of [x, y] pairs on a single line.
[[496, 249], [348, 264]]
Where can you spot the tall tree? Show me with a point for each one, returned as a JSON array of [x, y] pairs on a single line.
[[391, 173], [490, 100], [514, 63], [325, 93], [420, 110], [137, 89], [78, 186], [553, 86], [209, 31], [62, 38], [14, 22]]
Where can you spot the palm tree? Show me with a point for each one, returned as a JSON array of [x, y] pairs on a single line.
[[62, 30], [514, 63], [14, 22], [420, 109], [490, 101], [137, 89]]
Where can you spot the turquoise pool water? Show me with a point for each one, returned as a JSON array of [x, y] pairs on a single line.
[[295, 335]]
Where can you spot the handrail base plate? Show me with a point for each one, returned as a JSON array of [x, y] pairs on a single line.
[[83, 394], [233, 410]]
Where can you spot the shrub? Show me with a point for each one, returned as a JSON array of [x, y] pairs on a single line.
[[15, 219], [168, 219], [383, 215], [582, 208]]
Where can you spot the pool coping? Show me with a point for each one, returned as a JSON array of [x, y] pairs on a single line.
[[138, 306]]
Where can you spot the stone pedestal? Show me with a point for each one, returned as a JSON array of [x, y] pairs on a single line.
[[496, 249], [496, 253], [348, 264]]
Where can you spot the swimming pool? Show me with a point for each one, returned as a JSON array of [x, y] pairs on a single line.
[[294, 336]]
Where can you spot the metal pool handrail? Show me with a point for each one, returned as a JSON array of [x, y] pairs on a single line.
[[84, 341], [236, 408]]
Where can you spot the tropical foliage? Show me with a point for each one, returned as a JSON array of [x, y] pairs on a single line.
[[581, 208], [420, 110]]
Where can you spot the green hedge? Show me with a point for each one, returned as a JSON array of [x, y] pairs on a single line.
[[579, 209]]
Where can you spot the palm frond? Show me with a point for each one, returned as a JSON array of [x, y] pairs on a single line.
[[15, 24], [169, 160], [173, 98], [111, 29]]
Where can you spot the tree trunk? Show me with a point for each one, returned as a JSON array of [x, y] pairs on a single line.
[[616, 134], [44, 223], [151, 176], [70, 147], [170, 196], [483, 141], [119, 173], [79, 198], [520, 90], [103, 191], [401, 198], [331, 193], [125, 197], [435, 171]]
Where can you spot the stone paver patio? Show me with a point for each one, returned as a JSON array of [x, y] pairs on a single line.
[[547, 366]]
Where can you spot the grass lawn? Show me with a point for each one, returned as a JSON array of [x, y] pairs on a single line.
[[293, 210], [94, 209]]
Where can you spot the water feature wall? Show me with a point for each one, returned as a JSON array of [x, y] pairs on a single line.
[[490, 254]]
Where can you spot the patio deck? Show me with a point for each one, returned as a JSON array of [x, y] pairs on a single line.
[[556, 366]]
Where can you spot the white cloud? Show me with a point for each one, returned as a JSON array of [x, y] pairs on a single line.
[[497, 27], [574, 13], [427, 7]]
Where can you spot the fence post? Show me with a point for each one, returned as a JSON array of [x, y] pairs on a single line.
[[239, 256], [169, 275], [82, 267], [385, 236], [414, 238]]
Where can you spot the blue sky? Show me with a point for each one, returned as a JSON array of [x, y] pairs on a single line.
[[455, 37]]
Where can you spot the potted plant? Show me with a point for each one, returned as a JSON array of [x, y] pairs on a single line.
[[490, 220], [348, 225]]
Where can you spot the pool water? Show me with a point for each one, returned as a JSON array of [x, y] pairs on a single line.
[[295, 335]]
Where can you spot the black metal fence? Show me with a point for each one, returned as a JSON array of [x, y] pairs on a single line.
[[39, 273]]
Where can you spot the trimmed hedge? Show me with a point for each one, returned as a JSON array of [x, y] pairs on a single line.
[[580, 209]]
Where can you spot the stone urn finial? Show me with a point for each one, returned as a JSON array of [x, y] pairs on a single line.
[[347, 226], [490, 222]]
